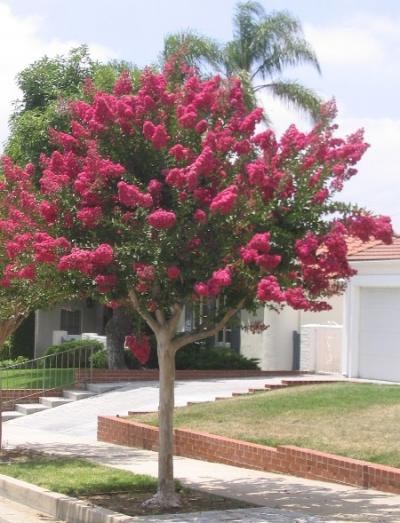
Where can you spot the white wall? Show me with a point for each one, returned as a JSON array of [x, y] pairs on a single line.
[[274, 347], [321, 348]]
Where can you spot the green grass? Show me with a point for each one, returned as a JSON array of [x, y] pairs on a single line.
[[76, 477], [35, 378], [356, 420]]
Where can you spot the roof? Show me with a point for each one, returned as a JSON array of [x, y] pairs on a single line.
[[373, 250]]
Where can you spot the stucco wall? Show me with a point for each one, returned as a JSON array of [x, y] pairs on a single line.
[[46, 321], [274, 347]]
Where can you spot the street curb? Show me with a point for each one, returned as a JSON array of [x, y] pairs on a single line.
[[66, 508]]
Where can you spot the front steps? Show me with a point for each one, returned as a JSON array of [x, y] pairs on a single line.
[[46, 402]]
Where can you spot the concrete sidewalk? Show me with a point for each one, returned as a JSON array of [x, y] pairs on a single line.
[[326, 501], [71, 429]]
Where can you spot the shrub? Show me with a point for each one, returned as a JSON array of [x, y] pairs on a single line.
[[75, 358], [99, 359], [213, 358], [16, 361]]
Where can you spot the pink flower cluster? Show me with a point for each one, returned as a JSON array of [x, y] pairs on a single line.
[[140, 347], [173, 272], [130, 196], [269, 289], [156, 134], [162, 219], [224, 201], [366, 227], [144, 271], [257, 251], [90, 216], [220, 278], [105, 282], [86, 261]]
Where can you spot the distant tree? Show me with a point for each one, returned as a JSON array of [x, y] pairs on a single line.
[[162, 196], [263, 46]]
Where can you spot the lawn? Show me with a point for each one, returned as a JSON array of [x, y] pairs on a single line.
[[74, 477], [108, 487], [357, 420], [35, 378]]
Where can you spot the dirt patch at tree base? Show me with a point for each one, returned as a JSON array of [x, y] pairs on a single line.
[[130, 502]]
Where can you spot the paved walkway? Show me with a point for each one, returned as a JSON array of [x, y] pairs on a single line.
[[71, 429], [80, 418]]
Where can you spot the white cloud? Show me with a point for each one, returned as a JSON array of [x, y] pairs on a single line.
[[365, 41], [21, 44], [377, 184]]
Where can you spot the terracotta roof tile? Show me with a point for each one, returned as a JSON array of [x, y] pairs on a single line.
[[373, 250]]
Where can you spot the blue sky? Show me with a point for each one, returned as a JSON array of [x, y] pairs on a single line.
[[357, 42]]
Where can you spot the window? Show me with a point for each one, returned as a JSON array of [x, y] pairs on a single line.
[[71, 321]]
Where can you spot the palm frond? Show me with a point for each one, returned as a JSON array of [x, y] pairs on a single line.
[[197, 49], [295, 95]]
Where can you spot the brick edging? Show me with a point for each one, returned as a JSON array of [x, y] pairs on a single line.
[[285, 459]]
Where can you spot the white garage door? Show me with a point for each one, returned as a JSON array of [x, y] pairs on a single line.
[[379, 349]]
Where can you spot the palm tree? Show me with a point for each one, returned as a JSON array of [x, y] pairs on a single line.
[[263, 46]]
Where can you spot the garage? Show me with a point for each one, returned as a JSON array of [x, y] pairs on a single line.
[[379, 342], [372, 312]]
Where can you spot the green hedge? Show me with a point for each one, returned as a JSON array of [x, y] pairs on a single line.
[[213, 358], [195, 356], [74, 359]]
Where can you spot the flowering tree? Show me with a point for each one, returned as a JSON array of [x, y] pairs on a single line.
[[162, 195]]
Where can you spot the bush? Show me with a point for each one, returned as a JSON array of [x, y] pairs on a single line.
[[99, 359], [16, 361], [200, 357], [74, 358]]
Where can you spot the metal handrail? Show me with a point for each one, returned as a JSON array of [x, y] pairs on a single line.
[[47, 373]]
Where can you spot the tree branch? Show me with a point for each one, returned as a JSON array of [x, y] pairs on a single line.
[[201, 334], [148, 318], [174, 320]]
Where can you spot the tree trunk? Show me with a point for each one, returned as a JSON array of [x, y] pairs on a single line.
[[119, 326], [166, 494], [7, 327]]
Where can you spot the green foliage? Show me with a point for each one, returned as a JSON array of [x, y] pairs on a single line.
[[99, 359], [48, 79], [214, 358], [16, 361], [74, 344], [76, 353], [75, 477]]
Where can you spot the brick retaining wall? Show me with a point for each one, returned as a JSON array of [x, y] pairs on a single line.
[[104, 375], [286, 459], [10, 397]]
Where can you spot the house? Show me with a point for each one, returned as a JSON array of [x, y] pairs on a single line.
[[67, 321], [359, 337]]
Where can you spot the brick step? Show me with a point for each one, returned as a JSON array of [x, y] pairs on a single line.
[[294, 383], [275, 386]]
